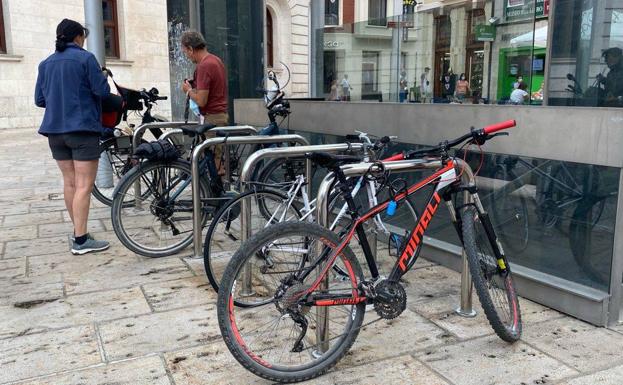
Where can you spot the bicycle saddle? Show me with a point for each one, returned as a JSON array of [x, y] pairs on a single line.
[[331, 161], [196, 129]]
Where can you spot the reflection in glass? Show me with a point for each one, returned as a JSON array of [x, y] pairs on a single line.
[[554, 217]]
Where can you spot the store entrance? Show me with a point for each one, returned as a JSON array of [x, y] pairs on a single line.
[[475, 70], [330, 71], [442, 66]]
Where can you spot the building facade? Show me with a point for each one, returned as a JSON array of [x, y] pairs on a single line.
[[136, 50]]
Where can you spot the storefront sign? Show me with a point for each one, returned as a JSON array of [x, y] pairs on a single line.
[[333, 44], [485, 32], [525, 9]]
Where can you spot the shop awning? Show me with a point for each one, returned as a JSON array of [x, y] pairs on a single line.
[[540, 38]]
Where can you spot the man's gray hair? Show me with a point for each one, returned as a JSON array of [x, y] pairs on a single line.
[[193, 39]]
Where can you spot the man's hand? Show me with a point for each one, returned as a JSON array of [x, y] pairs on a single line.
[[186, 86]]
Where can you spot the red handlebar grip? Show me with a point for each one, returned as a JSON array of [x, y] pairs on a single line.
[[399, 156], [499, 126]]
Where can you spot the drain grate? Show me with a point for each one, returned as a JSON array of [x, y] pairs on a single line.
[[55, 197]]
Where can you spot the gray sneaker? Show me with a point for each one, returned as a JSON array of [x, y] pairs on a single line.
[[90, 245]]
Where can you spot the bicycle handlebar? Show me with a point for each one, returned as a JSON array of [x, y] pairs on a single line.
[[479, 136], [499, 126]]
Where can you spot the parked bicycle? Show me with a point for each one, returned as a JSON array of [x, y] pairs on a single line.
[[300, 316], [273, 201], [152, 205]]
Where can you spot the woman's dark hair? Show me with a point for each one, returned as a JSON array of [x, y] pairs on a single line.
[[463, 76], [193, 39], [66, 32]]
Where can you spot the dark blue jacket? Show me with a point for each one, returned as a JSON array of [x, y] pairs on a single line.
[[70, 86]]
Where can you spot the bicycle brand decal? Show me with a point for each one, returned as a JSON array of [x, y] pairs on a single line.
[[418, 233]]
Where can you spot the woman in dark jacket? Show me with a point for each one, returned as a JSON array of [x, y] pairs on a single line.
[[70, 85]]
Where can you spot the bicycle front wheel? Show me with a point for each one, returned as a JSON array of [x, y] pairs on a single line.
[[116, 155], [224, 235], [159, 223], [283, 334], [492, 278]]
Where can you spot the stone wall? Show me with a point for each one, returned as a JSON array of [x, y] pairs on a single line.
[[30, 32]]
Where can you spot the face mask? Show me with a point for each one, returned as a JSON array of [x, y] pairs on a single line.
[[194, 107]]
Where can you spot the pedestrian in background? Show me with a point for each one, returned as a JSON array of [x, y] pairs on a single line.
[[425, 85], [346, 88], [462, 88], [208, 88], [519, 95], [70, 86]]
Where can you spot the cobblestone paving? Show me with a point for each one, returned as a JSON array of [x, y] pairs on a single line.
[[118, 318]]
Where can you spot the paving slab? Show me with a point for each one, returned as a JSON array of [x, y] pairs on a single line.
[[68, 263], [47, 206], [32, 219], [160, 332], [126, 275], [410, 331], [612, 376], [187, 292], [578, 344], [67, 228], [71, 311], [37, 246], [143, 371], [12, 268], [45, 353], [210, 364], [12, 208], [30, 291], [492, 361], [8, 234], [398, 370]]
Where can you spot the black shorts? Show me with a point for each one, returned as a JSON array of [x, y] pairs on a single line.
[[75, 146]]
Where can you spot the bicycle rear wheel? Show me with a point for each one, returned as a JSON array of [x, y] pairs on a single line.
[[492, 279], [224, 235], [279, 336], [160, 223]]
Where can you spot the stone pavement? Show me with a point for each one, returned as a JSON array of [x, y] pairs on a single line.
[[118, 318]]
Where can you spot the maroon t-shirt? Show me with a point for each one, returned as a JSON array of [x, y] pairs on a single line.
[[210, 75]]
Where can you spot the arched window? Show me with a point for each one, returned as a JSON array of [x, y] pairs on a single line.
[[269, 39]]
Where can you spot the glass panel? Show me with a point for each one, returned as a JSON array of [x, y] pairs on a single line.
[[587, 60], [110, 42], [377, 12], [499, 45], [180, 67], [550, 216], [108, 10], [233, 30], [331, 12]]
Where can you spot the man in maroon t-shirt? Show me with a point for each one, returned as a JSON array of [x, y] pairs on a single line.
[[210, 80]]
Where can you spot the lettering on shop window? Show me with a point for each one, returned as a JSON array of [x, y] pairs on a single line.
[[333, 44]]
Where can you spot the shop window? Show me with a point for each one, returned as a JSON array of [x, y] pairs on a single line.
[[369, 73], [111, 28], [269, 40], [474, 18], [2, 36], [332, 12], [377, 12]]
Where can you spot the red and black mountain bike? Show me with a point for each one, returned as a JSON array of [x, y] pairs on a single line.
[[293, 297]]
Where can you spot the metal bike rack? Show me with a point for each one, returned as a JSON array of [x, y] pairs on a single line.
[[199, 150], [177, 131], [322, 202], [288, 152], [140, 130]]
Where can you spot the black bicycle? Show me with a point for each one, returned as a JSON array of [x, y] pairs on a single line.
[[305, 294]]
